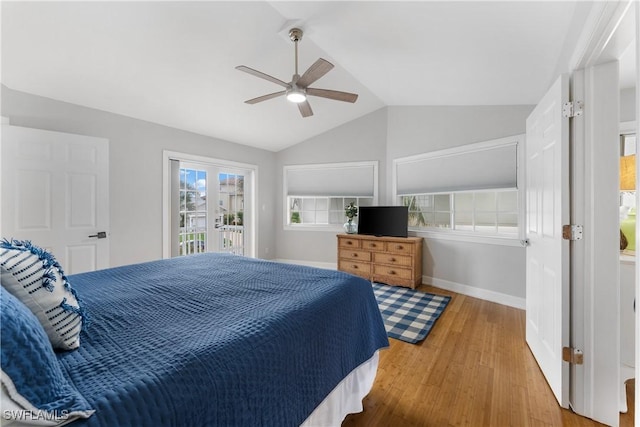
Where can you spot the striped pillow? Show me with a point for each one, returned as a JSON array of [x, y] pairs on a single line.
[[33, 276]]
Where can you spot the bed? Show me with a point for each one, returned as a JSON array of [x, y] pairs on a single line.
[[218, 339]]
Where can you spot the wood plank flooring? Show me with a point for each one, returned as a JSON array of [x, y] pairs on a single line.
[[474, 369]]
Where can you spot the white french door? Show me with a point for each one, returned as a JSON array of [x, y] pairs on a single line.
[[55, 193], [208, 206], [547, 258], [211, 209]]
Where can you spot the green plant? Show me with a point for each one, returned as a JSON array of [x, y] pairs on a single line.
[[351, 211], [295, 217]]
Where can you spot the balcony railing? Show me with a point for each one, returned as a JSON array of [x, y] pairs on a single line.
[[231, 239], [193, 240]]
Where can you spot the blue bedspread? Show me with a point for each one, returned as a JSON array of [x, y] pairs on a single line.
[[218, 340]]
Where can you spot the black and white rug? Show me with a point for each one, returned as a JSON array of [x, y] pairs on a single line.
[[408, 314]]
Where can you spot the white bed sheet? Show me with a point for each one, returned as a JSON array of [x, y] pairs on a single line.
[[347, 397]]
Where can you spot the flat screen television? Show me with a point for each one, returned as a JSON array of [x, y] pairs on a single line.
[[383, 220]]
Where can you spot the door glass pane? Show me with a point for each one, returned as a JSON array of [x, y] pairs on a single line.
[[193, 211], [230, 222]]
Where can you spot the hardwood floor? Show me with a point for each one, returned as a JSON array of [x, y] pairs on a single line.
[[474, 369]]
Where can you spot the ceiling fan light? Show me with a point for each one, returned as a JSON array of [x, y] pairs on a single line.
[[296, 96]]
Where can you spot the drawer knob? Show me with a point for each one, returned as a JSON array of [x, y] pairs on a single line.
[[399, 247], [349, 242], [355, 255], [355, 267], [373, 245], [392, 259], [391, 272]]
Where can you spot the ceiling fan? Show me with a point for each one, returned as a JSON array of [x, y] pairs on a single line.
[[298, 88]]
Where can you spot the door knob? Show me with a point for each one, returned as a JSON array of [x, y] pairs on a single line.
[[100, 235]]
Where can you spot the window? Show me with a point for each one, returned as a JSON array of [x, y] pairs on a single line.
[[466, 192], [316, 195], [322, 210], [486, 212]]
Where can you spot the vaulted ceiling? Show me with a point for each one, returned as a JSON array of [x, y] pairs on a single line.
[[174, 63]]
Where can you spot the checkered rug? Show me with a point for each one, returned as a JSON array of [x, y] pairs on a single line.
[[408, 315]]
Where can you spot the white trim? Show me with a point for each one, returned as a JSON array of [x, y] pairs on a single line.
[[325, 265], [252, 248], [472, 291], [637, 272], [627, 127], [333, 228], [604, 23]]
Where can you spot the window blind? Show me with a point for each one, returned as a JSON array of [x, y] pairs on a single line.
[[474, 167], [336, 179]]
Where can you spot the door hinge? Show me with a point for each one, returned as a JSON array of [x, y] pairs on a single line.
[[572, 355], [572, 109], [572, 232]]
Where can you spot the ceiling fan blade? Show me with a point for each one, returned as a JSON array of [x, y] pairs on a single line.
[[305, 109], [332, 94], [262, 75], [265, 97], [317, 70]]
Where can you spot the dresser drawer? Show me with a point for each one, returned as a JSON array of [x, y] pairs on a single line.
[[392, 259], [355, 255], [392, 272], [354, 267], [373, 245], [349, 243], [399, 248]]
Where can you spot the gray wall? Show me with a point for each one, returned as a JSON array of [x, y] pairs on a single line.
[[363, 139], [414, 130], [135, 169], [394, 132]]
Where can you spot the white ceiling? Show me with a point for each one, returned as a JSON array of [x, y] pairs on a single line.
[[174, 63]]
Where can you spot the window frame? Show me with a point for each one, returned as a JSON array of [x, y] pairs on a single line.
[[287, 226], [436, 233]]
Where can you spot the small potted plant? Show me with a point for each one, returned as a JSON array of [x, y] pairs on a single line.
[[351, 211]]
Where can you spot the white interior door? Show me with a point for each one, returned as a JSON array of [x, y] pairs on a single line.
[[55, 193], [547, 295]]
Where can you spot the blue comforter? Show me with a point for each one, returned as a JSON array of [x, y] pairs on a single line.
[[218, 340]]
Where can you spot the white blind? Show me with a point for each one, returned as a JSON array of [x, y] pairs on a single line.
[[475, 167], [336, 179]]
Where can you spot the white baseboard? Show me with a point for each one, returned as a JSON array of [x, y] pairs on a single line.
[[327, 265], [480, 293], [448, 285]]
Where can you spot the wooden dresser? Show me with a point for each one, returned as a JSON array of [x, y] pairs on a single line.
[[390, 260]]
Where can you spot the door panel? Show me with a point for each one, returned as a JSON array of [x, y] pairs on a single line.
[[55, 193], [547, 295]]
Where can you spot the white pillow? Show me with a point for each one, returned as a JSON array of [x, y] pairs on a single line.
[[33, 275]]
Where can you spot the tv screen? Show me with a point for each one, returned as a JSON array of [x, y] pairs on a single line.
[[383, 220]]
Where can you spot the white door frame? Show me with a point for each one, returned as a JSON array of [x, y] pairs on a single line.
[[251, 202], [595, 260]]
